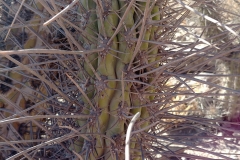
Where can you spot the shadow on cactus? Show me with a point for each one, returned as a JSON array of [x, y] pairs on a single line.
[[74, 73]]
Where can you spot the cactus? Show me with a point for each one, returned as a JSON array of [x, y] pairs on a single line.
[[74, 73]]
